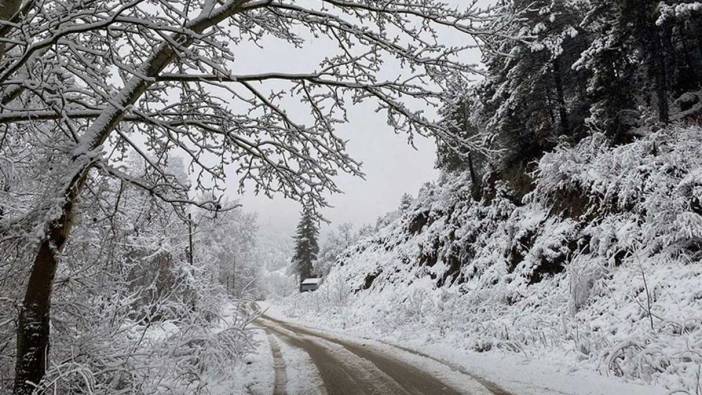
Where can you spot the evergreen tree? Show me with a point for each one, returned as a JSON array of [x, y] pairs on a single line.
[[406, 202], [645, 56], [458, 117], [561, 69], [532, 97], [306, 245]]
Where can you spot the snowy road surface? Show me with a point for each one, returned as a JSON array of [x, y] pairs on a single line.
[[307, 361]]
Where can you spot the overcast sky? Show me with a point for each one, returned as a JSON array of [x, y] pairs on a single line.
[[391, 165]]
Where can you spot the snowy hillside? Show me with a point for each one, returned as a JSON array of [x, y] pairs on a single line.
[[598, 267]]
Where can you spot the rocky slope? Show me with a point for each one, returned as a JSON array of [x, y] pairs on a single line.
[[598, 266]]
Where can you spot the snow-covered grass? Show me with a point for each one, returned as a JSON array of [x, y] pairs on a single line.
[[208, 358], [596, 271]]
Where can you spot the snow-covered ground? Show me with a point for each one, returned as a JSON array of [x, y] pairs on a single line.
[[518, 374], [310, 361], [302, 375], [255, 375]]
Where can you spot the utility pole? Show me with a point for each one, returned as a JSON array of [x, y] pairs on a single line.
[[190, 238]]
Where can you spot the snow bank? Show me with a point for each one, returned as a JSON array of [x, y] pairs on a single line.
[[255, 375], [598, 269]]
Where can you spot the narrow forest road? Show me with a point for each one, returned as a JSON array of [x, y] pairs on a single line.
[[309, 361]]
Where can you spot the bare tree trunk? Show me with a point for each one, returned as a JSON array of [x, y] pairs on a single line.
[[33, 328], [190, 239], [660, 74], [651, 36], [233, 277], [33, 335]]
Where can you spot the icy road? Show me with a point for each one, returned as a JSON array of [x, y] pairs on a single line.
[[307, 361]]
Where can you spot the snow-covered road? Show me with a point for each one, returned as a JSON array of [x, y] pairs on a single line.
[[309, 356], [309, 361]]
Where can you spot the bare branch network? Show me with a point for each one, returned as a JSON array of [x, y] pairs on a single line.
[[157, 78], [88, 87]]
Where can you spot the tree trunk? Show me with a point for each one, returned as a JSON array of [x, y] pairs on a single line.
[[660, 79], [33, 335], [475, 187], [560, 97], [190, 239], [233, 290], [657, 64]]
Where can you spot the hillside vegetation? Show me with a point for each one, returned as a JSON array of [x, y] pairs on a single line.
[[600, 263]]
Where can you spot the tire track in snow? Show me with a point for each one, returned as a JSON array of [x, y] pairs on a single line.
[[303, 375], [278, 365], [343, 372], [412, 374], [494, 388]]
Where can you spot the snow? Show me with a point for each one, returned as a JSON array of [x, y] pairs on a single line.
[[517, 374], [668, 12], [368, 372], [255, 375], [303, 376], [558, 292], [441, 371]]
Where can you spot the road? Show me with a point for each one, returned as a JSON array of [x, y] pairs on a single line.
[[346, 366]]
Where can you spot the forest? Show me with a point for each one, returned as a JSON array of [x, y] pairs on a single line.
[[565, 227]]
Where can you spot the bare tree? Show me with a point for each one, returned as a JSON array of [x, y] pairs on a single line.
[[83, 83]]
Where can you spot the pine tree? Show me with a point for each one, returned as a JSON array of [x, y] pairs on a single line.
[[612, 72], [406, 202], [306, 245], [532, 97], [644, 56], [458, 117]]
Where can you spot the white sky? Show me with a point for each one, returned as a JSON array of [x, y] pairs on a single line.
[[391, 165], [392, 168]]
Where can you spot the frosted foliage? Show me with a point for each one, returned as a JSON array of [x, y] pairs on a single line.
[[561, 276], [668, 12], [87, 86], [655, 179], [158, 79], [228, 244], [131, 313]]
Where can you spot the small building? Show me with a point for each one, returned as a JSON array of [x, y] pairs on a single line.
[[310, 284]]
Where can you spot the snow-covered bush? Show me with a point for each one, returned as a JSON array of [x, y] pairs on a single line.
[[655, 180]]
